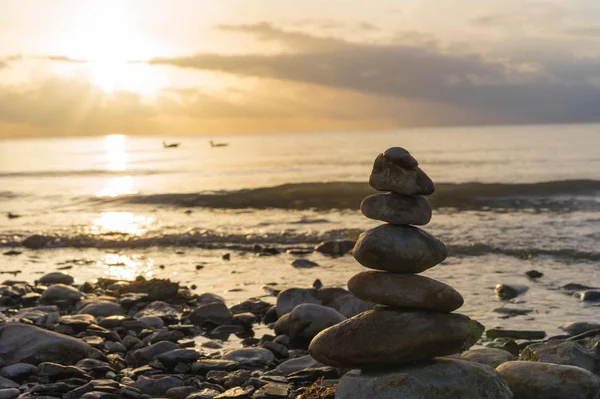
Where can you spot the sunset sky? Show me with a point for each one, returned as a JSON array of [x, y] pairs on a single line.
[[192, 66]]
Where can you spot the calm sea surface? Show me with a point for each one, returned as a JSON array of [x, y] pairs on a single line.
[[123, 205]]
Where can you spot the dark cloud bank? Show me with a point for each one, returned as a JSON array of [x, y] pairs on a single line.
[[551, 92]]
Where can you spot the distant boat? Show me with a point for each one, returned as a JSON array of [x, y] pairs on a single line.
[[213, 144], [11, 215], [170, 145]]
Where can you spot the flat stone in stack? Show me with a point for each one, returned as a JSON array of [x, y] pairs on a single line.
[[414, 325]]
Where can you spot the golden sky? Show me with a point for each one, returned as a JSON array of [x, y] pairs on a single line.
[[78, 67]]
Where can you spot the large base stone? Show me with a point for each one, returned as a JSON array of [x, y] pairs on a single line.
[[385, 337], [439, 379]]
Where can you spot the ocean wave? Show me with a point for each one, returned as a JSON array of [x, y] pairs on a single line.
[[84, 173], [209, 239], [554, 195]]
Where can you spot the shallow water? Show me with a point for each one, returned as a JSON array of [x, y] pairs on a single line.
[[120, 206]]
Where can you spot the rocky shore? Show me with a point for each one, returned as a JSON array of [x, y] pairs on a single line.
[[393, 334], [157, 339]]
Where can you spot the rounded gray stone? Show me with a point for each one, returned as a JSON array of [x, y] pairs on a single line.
[[405, 291], [400, 249], [307, 320], [397, 209], [492, 357], [387, 176], [439, 379], [386, 337], [401, 157], [537, 380]]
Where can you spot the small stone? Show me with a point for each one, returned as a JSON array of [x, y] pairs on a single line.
[[214, 313], [579, 327], [102, 309], [304, 264], [145, 355], [386, 176], [307, 320], [439, 379], [288, 299], [569, 353], [400, 157], [297, 364], [60, 292], [6, 383], [18, 371], [157, 387], [384, 337], [405, 291], [181, 392], [9, 393], [590, 296], [335, 247], [250, 357], [534, 274], [234, 393], [401, 249], [397, 209], [56, 278], [205, 365], [537, 380], [505, 291], [489, 356], [172, 358], [206, 393], [514, 334]]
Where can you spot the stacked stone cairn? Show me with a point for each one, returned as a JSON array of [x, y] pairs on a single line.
[[413, 323]]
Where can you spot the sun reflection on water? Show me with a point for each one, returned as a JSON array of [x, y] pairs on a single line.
[[122, 223], [117, 186], [115, 146], [123, 267]]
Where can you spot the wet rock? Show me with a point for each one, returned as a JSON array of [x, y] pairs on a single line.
[[253, 305], [172, 358], [397, 209], [37, 241], [158, 309], [215, 313], [307, 320], [402, 337], [440, 379], [387, 176], [505, 291], [405, 291], [400, 157], [590, 296], [401, 249], [153, 322], [156, 289], [297, 364], [181, 392], [144, 355], [21, 343], [206, 393], [157, 387], [489, 356], [250, 357], [273, 391], [335, 247], [304, 264], [56, 278], [9, 393], [55, 370], [512, 312], [205, 365], [234, 393], [560, 352], [18, 371], [579, 327], [102, 309], [60, 292], [288, 299], [534, 274], [349, 306], [278, 350], [537, 380], [515, 334], [7, 383]]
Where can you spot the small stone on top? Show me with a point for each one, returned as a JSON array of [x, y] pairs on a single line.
[[399, 156]]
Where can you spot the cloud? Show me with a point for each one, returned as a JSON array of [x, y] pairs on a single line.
[[513, 92]]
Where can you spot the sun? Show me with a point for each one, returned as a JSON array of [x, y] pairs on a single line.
[[106, 40]]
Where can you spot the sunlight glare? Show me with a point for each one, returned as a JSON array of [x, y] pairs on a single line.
[[116, 186], [122, 223], [115, 146], [124, 267]]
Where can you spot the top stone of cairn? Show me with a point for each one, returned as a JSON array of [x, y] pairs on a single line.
[[396, 170], [399, 156]]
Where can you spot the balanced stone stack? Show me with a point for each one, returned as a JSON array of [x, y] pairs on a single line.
[[414, 323]]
